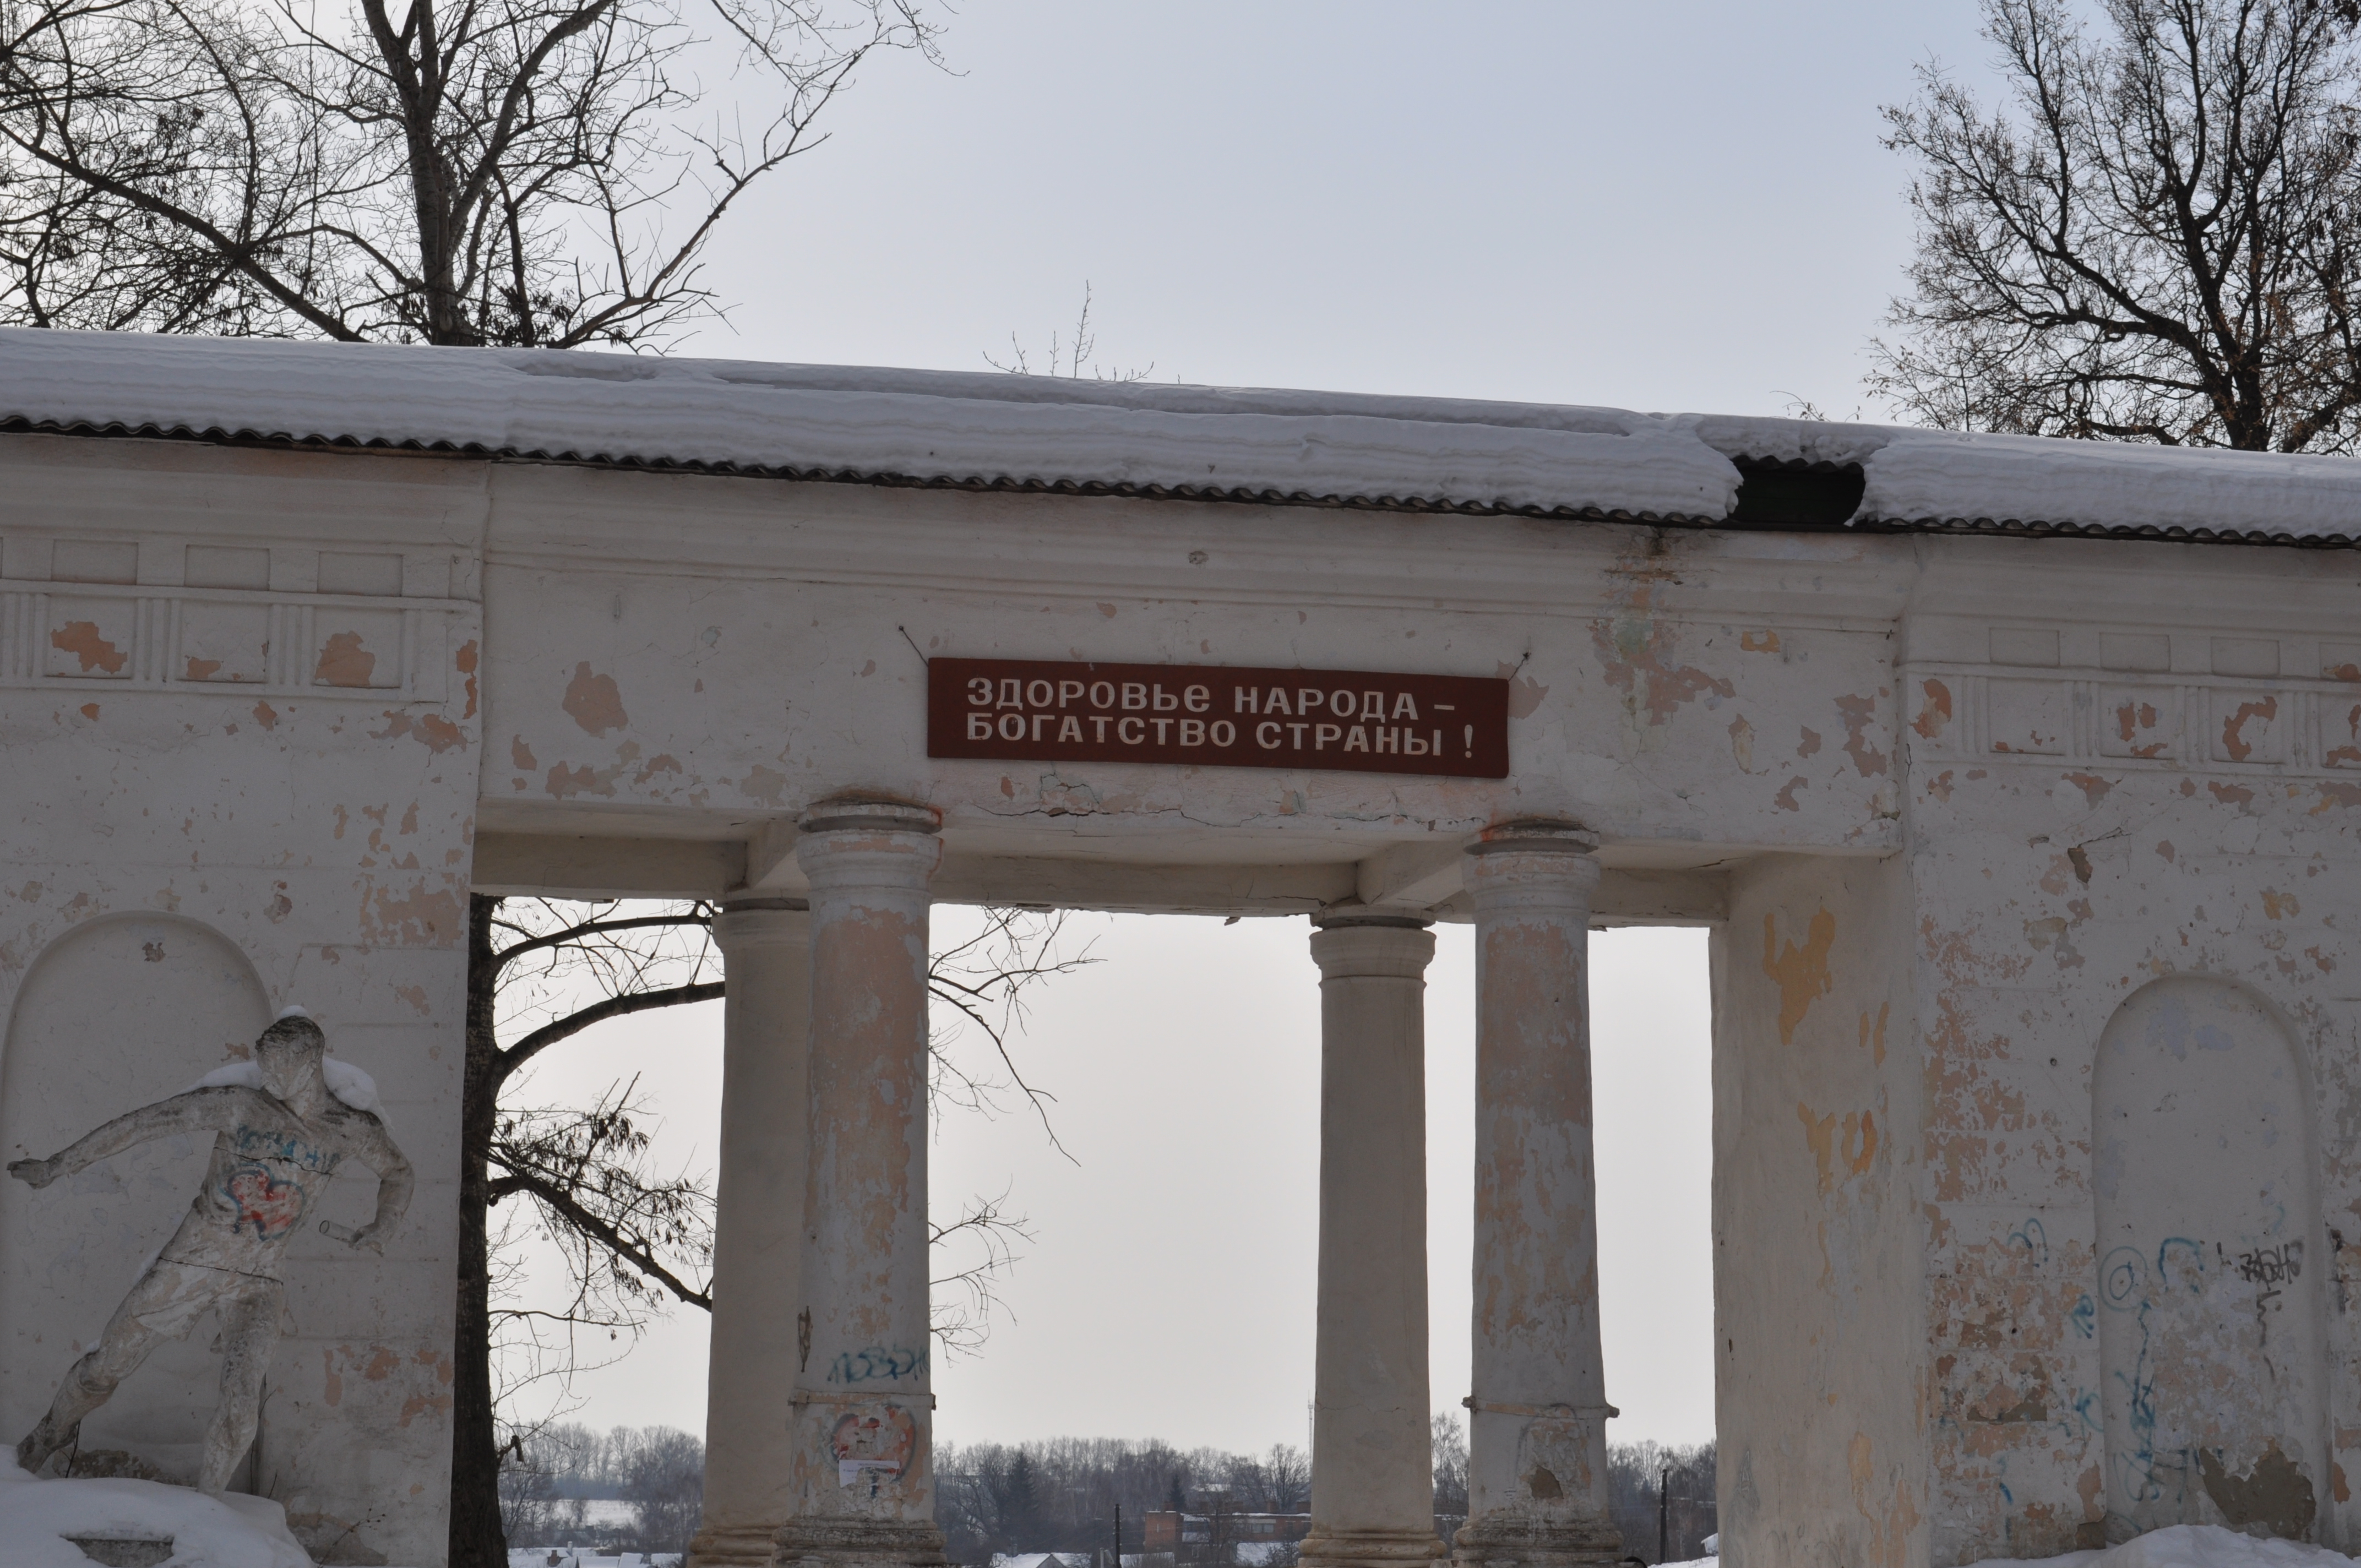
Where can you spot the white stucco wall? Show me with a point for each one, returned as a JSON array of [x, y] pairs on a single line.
[[2013, 782], [321, 830]]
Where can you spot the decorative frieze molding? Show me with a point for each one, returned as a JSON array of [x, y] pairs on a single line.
[[1969, 713], [120, 636]]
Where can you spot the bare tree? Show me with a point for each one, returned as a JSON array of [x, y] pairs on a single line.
[[491, 171], [635, 1239], [2156, 239]]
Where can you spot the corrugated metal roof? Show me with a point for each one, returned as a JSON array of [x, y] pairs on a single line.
[[1046, 436]]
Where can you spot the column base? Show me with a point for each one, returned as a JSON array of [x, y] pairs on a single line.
[[1325, 1548], [859, 1544], [1495, 1541], [734, 1546]]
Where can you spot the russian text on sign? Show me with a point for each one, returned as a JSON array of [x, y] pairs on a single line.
[[1218, 715]]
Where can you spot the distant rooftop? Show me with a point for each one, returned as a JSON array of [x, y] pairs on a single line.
[[982, 430]]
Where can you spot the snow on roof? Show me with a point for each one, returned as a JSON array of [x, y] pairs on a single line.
[[990, 431]]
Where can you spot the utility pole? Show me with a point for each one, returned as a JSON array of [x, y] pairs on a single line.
[[1117, 1562], [1664, 1515]]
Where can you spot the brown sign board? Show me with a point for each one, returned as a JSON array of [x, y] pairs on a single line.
[[1218, 715]]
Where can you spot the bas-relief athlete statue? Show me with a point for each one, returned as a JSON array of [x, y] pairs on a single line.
[[278, 1136]]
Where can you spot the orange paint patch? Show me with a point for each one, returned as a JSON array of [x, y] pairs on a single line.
[[80, 639], [467, 662], [1801, 973], [2132, 718], [1873, 1038], [521, 756], [1638, 653], [203, 669], [1786, 799], [2337, 795], [594, 702], [418, 918], [1759, 641], [2095, 788], [565, 781], [89, 711], [2281, 906], [1858, 714], [345, 662], [1936, 714], [266, 716], [2233, 739], [431, 730]]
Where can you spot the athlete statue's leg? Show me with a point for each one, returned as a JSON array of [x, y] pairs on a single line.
[[89, 1384], [249, 1333]]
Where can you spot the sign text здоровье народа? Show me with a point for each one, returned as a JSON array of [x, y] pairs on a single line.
[[1341, 720]]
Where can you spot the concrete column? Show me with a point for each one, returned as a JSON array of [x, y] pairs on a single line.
[[863, 1414], [758, 1230], [1372, 1477], [1537, 1428]]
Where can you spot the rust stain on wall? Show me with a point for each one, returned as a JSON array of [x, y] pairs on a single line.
[[345, 662], [1800, 973], [80, 639], [594, 702]]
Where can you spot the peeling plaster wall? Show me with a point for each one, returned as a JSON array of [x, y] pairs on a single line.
[[239, 712], [2113, 780], [774, 654], [1817, 1242], [1968, 795]]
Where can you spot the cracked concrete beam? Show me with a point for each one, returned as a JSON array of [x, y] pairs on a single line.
[[1411, 876], [571, 866], [1155, 889]]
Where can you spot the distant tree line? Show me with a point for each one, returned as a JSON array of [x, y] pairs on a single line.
[[1662, 1499], [1061, 1494], [553, 1475], [1058, 1494]]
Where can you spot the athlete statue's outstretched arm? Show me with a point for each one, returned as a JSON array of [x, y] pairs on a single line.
[[198, 1110]]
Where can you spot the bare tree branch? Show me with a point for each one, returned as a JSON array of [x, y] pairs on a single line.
[[2154, 241]]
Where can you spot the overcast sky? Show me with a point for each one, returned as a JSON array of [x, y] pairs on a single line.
[[1661, 207]]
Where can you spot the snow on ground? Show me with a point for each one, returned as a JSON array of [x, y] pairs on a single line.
[[207, 1533], [2182, 1546], [2201, 1546], [586, 1557]]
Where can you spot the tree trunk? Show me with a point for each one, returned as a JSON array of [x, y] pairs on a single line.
[[476, 1538]]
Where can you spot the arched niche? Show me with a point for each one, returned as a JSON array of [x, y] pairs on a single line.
[[117, 1014], [2211, 1257]]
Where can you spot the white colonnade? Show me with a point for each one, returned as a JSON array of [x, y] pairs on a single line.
[[824, 1404]]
